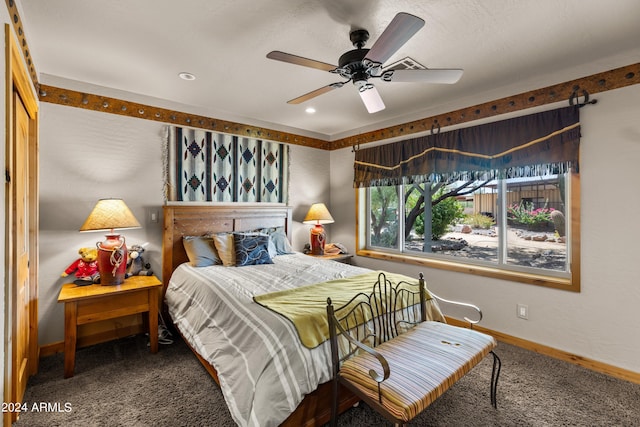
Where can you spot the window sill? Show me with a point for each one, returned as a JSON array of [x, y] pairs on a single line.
[[566, 284]]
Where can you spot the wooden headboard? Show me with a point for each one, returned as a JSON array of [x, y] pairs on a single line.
[[185, 220]]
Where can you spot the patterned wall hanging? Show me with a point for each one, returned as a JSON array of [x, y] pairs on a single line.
[[204, 166]]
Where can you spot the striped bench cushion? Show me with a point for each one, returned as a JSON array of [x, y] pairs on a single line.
[[424, 362]]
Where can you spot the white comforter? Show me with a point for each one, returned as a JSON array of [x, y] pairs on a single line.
[[264, 370]]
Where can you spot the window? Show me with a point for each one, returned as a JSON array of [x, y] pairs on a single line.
[[462, 226], [499, 200]]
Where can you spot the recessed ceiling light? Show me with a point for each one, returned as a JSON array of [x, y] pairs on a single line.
[[187, 76], [310, 110]]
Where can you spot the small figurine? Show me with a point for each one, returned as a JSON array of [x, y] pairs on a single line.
[[85, 267], [136, 265]]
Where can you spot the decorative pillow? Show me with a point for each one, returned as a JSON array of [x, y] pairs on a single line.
[[281, 242], [201, 251], [279, 239], [226, 251], [251, 249], [271, 247]]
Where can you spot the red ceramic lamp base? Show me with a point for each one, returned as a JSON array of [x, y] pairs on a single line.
[[318, 237], [112, 260]]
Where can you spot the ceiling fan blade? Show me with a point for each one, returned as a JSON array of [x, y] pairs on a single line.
[[431, 75], [372, 99], [314, 93], [299, 60], [402, 28]]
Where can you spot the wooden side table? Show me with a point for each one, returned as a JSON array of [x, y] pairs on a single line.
[[86, 304]]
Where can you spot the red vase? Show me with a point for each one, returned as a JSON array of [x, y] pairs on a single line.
[[318, 237], [112, 260]]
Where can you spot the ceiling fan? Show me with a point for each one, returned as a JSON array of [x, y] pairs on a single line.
[[359, 65]]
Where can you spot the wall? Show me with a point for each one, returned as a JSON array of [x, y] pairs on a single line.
[[600, 322], [87, 155]]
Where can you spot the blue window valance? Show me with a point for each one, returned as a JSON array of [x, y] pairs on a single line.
[[533, 145]]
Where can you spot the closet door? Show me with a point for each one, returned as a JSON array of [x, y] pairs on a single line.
[[21, 291], [21, 242]]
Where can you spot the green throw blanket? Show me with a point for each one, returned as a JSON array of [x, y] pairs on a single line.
[[306, 306]]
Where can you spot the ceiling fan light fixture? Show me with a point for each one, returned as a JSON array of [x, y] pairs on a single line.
[[371, 98]]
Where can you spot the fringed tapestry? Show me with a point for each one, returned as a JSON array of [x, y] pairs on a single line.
[[533, 145], [204, 166]]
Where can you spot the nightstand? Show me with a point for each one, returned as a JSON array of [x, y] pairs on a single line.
[[86, 304], [343, 258]]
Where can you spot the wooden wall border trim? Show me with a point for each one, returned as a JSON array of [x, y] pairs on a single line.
[[608, 80], [593, 365], [22, 40], [104, 104]]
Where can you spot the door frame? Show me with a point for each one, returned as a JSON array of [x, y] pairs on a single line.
[[18, 82]]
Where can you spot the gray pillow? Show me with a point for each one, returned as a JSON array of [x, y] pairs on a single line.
[[201, 251], [278, 241], [281, 242]]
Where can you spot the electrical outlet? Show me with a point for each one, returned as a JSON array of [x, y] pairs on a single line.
[[522, 311]]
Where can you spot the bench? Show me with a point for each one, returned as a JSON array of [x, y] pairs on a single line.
[[385, 351]]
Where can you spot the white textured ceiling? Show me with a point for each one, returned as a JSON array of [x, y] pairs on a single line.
[[504, 46]]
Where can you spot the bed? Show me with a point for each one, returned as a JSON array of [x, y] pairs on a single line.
[[266, 375]]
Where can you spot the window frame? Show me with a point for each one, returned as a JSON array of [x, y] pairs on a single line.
[[569, 283]]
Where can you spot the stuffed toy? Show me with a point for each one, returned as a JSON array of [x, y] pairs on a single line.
[[136, 265], [85, 267]]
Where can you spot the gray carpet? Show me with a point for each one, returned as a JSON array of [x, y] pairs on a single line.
[[121, 384]]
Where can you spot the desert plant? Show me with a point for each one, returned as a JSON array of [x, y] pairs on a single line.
[[479, 221], [524, 214], [557, 218]]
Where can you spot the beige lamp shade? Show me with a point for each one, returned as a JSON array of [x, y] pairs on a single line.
[[110, 214], [318, 214]]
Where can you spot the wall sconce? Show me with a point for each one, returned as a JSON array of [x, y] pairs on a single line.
[[318, 214], [111, 214]]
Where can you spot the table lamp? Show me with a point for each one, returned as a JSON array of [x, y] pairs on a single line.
[[111, 214], [318, 214]]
